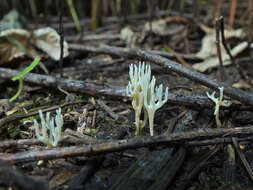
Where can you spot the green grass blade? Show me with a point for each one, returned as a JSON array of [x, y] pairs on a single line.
[[27, 69], [74, 15], [20, 89]]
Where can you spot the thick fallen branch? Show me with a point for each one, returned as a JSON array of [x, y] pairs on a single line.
[[21, 142], [120, 145], [93, 89], [71, 85], [169, 65]]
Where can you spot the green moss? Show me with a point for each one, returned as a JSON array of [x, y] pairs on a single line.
[[94, 132], [13, 131]]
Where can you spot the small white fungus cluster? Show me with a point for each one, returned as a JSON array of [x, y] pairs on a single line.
[[218, 102], [145, 95], [51, 134]]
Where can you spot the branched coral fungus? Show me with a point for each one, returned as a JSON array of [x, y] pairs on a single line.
[[145, 95], [218, 102], [51, 134]]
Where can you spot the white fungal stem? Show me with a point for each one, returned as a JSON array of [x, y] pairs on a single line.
[[51, 128], [218, 102], [145, 95]]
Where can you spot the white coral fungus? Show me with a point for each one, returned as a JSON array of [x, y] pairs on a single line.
[[51, 134], [145, 95], [218, 102]]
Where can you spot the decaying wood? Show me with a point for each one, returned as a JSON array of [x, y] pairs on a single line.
[[243, 159], [86, 172], [147, 170], [86, 140], [120, 145], [71, 85], [21, 142], [93, 164], [170, 66], [224, 140], [194, 170], [164, 179], [144, 171], [11, 177], [229, 166]]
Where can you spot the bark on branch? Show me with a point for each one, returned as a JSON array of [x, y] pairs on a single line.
[[121, 145], [169, 65]]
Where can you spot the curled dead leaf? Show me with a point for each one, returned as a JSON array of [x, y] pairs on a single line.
[[16, 43]]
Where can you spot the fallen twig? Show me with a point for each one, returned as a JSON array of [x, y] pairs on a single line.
[[169, 65], [241, 72], [197, 102], [107, 109], [21, 142], [120, 145], [71, 85], [218, 26]]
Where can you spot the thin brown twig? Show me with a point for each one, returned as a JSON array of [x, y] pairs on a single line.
[[223, 40], [179, 58], [242, 74], [218, 26]]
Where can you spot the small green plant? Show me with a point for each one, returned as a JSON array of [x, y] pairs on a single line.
[[74, 15], [94, 132], [20, 76]]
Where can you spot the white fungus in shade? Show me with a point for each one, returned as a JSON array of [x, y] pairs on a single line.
[[145, 95], [218, 102], [50, 128]]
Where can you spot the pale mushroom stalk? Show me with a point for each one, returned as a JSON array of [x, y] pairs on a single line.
[[143, 123], [137, 105], [134, 90], [152, 100], [144, 95], [218, 102], [50, 128]]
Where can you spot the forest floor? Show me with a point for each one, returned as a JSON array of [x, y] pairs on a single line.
[[99, 149]]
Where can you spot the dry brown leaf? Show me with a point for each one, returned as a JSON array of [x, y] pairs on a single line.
[[46, 39], [8, 51]]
